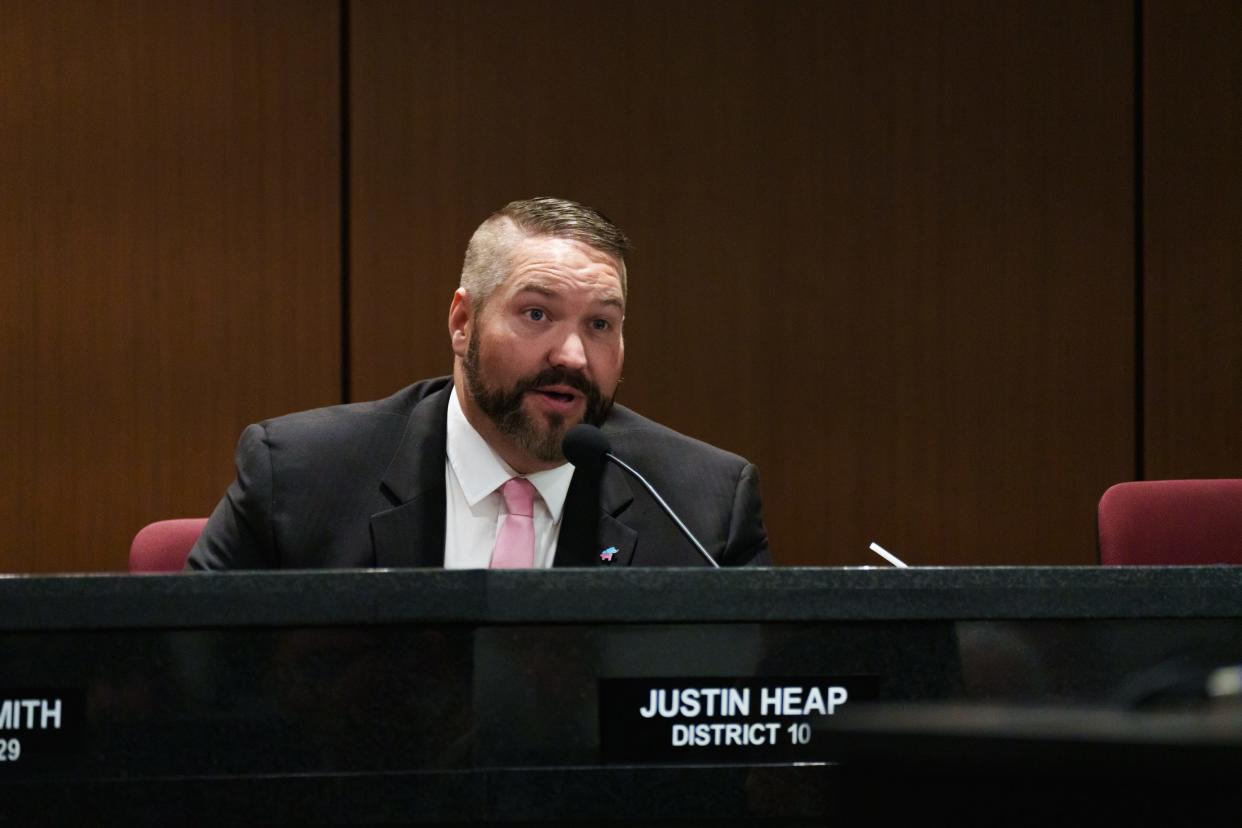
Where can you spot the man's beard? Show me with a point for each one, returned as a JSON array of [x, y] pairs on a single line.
[[541, 440]]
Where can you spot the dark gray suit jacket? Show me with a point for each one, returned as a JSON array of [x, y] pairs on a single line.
[[362, 485]]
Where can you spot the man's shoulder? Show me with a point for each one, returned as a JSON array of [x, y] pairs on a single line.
[[632, 433], [337, 425]]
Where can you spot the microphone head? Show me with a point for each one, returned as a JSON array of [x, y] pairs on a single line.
[[585, 446]]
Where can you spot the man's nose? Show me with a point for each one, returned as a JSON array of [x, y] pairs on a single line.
[[569, 352]]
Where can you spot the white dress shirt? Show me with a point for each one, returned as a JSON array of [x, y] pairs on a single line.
[[474, 508]]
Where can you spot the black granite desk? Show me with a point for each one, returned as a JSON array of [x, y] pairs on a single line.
[[432, 696]]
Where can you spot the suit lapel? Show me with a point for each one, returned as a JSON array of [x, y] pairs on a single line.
[[584, 543], [615, 538], [411, 534]]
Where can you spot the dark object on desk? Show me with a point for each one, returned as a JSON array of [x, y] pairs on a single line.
[[1039, 764]]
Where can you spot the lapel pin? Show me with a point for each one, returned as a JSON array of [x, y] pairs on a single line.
[[606, 555]]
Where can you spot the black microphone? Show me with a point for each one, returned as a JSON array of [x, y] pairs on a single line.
[[587, 448]]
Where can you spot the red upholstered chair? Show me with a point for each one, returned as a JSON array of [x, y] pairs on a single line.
[[163, 546], [1158, 522]]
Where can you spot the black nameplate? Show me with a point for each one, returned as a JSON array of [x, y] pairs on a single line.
[[41, 729], [722, 719]]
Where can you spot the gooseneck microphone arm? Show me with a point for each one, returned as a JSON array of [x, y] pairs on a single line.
[[668, 510]]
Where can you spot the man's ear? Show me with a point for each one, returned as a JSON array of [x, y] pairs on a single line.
[[460, 320]]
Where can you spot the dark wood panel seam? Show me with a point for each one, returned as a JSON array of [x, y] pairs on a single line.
[[343, 117], [1140, 366]]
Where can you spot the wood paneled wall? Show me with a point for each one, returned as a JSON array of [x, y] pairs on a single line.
[[884, 250], [169, 256], [1193, 238]]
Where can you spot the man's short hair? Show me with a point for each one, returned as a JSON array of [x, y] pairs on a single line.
[[488, 253]]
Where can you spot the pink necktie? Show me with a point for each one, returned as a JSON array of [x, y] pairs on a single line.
[[515, 542]]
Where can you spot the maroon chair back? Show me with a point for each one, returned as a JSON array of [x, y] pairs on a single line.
[[1158, 522], [163, 546]]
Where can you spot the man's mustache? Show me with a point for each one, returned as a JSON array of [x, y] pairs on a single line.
[[559, 376]]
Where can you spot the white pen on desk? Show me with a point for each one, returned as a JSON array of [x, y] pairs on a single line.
[[886, 555]]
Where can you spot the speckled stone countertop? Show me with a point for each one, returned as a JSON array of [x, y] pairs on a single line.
[[615, 596]]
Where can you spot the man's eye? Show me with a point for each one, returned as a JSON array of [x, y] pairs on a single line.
[[535, 314], [601, 324]]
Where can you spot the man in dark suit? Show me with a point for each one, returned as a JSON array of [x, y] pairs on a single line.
[[467, 471]]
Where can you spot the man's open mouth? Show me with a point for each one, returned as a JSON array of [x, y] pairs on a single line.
[[555, 395]]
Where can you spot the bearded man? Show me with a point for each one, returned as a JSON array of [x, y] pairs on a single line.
[[467, 471]]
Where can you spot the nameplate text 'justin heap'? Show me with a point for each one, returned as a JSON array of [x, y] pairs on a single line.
[[661, 719]]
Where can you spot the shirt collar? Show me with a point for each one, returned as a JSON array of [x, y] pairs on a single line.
[[481, 471]]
